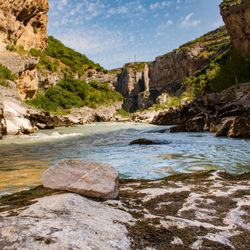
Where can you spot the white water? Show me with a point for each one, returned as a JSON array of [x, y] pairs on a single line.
[[24, 158]]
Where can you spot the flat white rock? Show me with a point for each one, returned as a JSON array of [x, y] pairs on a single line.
[[66, 221]]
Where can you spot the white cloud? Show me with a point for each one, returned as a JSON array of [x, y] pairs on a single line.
[[159, 5], [188, 21]]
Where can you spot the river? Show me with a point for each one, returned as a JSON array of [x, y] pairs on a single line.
[[24, 158]]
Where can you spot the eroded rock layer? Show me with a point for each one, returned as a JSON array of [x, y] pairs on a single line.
[[24, 22]]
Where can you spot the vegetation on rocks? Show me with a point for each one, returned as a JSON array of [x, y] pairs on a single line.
[[5, 74], [224, 71], [69, 93], [229, 3], [58, 57], [136, 66]]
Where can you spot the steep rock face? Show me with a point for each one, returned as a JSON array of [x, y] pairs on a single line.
[[236, 16], [24, 22], [168, 71], [131, 82], [141, 85]]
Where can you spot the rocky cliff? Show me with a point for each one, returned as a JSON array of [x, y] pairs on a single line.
[[133, 84], [236, 15], [24, 22], [141, 85]]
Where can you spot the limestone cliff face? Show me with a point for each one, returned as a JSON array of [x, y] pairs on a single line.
[[236, 16], [142, 85], [132, 82], [24, 22], [168, 71]]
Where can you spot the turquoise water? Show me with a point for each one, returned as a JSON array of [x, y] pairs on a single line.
[[24, 158]]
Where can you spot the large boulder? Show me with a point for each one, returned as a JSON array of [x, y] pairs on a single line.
[[90, 179]]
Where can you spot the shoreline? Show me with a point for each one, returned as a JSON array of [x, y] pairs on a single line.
[[184, 211]]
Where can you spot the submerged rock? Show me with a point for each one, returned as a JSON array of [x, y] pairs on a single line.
[[66, 221], [90, 179], [143, 141]]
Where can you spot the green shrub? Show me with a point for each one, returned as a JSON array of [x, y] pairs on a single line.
[[6, 74], [224, 71], [70, 93], [122, 112]]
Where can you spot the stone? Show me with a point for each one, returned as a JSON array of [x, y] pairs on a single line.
[[96, 180], [226, 114], [237, 20], [66, 221], [143, 141], [14, 113], [24, 22]]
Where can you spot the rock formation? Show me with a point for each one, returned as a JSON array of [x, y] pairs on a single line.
[[236, 15], [225, 114], [130, 84], [14, 112], [24, 22], [90, 179], [142, 83]]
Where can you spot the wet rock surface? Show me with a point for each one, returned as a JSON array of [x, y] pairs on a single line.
[[96, 180], [206, 210], [225, 114], [143, 141]]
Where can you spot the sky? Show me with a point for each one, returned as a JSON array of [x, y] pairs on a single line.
[[114, 32]]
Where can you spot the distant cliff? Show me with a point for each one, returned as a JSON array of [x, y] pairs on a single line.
[[142, 83], [236, 15], [24, 22]]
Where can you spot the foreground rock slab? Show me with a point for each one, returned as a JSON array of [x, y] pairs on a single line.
[[66, 221], [204, 210], [96, 180]]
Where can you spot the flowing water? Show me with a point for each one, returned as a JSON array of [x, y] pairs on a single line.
[[24, 158]]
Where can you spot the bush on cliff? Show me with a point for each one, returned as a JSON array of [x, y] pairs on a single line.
[[5, 74], [224, 71], [71, 93]]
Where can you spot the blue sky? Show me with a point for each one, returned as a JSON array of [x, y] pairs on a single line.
[[113, 32]]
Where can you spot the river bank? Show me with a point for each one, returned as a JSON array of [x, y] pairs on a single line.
[[206, 210]]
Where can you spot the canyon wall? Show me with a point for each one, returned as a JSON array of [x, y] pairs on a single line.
[[141, 84], [24, 22], [236, 15]]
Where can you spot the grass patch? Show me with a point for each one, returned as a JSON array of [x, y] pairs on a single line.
[[17, 48], [69, 93], [6, 74]]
